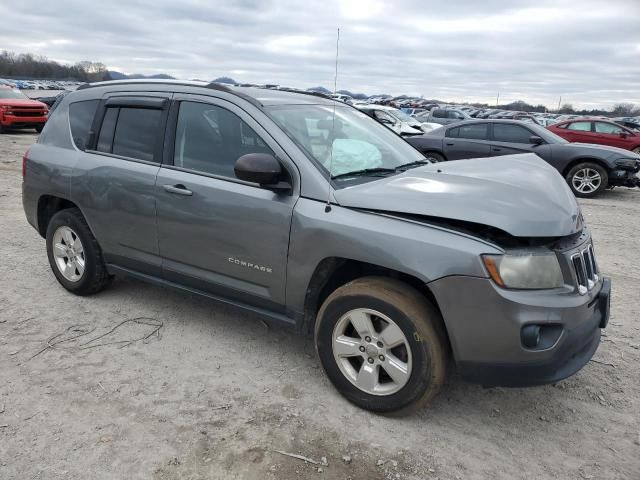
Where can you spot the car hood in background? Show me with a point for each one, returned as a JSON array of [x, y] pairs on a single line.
[[19, 102], [519, 194], [600, 149]]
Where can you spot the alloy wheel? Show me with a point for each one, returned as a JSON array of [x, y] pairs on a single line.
[[586, 180], [68, 253], [372, 351]]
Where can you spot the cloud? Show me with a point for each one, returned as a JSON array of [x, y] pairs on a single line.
[[586, 51]]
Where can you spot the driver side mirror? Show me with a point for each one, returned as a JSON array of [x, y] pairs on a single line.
[[263, 169], [536, 140]]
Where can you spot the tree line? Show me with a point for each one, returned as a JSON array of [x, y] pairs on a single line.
[[29, 66]]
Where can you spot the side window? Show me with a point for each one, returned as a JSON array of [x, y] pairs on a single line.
[[80, 119], [580, 126], [453, 132], [454, 114], [474, 131], [105, 139], [504, 132], [602, 127], [210, 139], [438, 113], [130, 132], [137, 131]]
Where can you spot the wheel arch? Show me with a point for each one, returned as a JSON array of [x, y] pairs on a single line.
[[578, 160], [334, 272], [48, 206]]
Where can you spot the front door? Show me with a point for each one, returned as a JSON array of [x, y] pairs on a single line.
[[216, 233]]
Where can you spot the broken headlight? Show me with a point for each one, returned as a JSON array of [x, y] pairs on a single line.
[[524, 271]]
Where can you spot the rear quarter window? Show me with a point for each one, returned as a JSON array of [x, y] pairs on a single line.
[[80, 119]]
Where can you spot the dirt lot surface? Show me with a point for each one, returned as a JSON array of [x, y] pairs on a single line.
[[215, 394]]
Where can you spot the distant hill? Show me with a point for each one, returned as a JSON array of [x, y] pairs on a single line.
[[123, 76], [319, 89], [225, 80]]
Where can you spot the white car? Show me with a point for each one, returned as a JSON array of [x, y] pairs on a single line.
[[395, 119]]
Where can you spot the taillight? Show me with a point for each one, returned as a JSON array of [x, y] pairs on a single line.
[[24, 164]]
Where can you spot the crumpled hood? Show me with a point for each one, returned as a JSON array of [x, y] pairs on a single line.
[[20, 102], [519, 194]]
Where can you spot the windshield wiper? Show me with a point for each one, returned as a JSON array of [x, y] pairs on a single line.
[[366, 172], [407, 166]]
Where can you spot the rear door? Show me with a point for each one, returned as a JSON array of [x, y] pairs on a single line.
[[467, 141], [580, 131], [216, 233], [114, 181]]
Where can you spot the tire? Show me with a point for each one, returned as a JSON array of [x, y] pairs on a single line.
[[423, 351], [577, 176], [434, 157], [64, 229], [637, 150], [39, 128]]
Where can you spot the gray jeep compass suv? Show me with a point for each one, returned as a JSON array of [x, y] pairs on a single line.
[[312, 215]]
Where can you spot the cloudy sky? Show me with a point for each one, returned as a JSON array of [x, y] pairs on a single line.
[[587, 51]]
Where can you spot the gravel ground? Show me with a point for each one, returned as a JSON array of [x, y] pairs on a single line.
[[215, 394]]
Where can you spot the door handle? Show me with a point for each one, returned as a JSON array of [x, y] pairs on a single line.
[[496, 149], [178, 189], [450, 144]]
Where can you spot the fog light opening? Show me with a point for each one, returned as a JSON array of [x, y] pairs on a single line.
[[530, 336]]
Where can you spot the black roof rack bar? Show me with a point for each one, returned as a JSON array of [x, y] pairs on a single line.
[[224, 88], [212, 85]]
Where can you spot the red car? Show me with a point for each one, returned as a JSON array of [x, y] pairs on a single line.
[[603, 132], [19, 111]]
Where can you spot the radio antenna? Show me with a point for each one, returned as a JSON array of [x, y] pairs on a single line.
[[327, 208]]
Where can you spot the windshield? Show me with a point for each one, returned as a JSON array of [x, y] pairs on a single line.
[[358, 141], [11, 93], [402, 116], [545, 134]]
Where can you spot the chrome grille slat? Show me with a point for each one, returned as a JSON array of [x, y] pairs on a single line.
[[585, 269]]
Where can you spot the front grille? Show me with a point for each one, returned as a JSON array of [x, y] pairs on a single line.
[[28, 113], [585, 268]]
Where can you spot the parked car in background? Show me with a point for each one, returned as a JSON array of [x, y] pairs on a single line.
[[395, 119], [631, 123], [49, 101], [443, 116], [19, 111], [341, 97], [588, 169], [601, 132]]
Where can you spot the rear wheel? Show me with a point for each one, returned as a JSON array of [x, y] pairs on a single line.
[[74, 254], [434, 157], [587, 179], [382, 345]]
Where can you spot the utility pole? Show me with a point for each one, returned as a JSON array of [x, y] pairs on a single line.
[[498, 99], [559, 102]]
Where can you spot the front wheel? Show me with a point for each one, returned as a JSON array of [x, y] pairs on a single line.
[[382, 345], [587, 179]]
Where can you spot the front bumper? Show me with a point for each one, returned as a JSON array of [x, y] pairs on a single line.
[[485, 323], [624, 178], [14, 121]]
